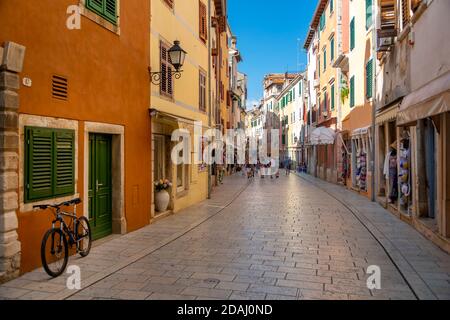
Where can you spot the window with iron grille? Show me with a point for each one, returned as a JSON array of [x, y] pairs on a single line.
[[166, 85], [105, 8], [49, 163]]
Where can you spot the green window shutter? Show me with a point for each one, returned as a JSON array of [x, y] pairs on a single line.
[[369, 79], [319, 67], [352, 34], [111, 10], [293, 94], [332, 96], [105, 8], [64, 168], [368, 14], [352, 92], [96, 5], [38, 163], [331, 5], [324, 60], [332, 50]]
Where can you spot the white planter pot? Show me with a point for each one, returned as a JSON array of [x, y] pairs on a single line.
[[162, 199]]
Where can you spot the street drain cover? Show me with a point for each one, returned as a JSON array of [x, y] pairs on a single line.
[[211, 280]]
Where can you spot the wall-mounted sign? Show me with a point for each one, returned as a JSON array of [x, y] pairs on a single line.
[[27, 82]]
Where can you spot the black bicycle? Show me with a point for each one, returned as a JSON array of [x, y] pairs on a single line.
[[56, 241]]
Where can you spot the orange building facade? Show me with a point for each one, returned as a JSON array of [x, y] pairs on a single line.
[[82, 127]]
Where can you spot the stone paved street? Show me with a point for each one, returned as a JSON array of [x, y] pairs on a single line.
[[269, 239]]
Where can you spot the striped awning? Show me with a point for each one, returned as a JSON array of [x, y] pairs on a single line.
[[387, 115]]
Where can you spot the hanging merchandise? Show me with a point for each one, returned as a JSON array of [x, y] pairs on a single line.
[[361, 165], [405, 173]]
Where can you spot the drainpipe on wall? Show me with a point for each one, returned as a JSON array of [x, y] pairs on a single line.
[[374, 100], [209, 90]]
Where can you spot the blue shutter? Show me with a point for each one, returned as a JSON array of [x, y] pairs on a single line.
[[368, 14], [369, 79], [352, 34]]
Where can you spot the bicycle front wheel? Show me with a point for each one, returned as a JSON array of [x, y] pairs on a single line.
[[54, 252], [84, 236]]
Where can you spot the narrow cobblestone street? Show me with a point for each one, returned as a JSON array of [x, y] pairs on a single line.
[[268, 239]]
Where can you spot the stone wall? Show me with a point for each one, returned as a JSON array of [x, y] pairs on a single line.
[[11, 63]]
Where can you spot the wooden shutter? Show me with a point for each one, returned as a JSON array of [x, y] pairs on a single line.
[[202, 91], [203, 24], [405, 13], [39, 163], [96, 5], [332, 96], [169, 3], [64, 168], [106, 8], [332, 50], [368, 14], [352, 91], [166, 85], [352, 34], [369, 79], [111, 10]]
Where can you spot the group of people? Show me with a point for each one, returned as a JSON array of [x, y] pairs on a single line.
[[263, 170]]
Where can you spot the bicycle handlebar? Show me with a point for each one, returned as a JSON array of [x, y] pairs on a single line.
[[56, 206]]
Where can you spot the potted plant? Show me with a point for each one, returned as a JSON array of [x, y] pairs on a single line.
[[162, 197]]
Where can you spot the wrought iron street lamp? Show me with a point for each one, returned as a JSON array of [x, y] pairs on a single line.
[[176, 56]]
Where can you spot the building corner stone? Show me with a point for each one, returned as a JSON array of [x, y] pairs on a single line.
[[11, 63]]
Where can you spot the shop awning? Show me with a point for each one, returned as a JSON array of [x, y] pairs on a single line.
[[322, 136], [430, 100], [361, 131], [387, 115]]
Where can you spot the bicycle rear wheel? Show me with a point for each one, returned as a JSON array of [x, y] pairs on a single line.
[[84, 236], [54, 252]]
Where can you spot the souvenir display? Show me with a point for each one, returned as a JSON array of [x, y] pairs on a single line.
[[361, 170], [405, 174]]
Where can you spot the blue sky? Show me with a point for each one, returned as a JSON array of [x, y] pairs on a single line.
[[267, 34]]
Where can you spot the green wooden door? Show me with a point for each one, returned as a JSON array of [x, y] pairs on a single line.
[[100, 185]]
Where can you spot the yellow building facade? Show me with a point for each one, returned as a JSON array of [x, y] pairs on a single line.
[[329, 77], [176, 103]]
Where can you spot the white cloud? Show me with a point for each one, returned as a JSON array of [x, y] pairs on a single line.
[[252, 103]]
